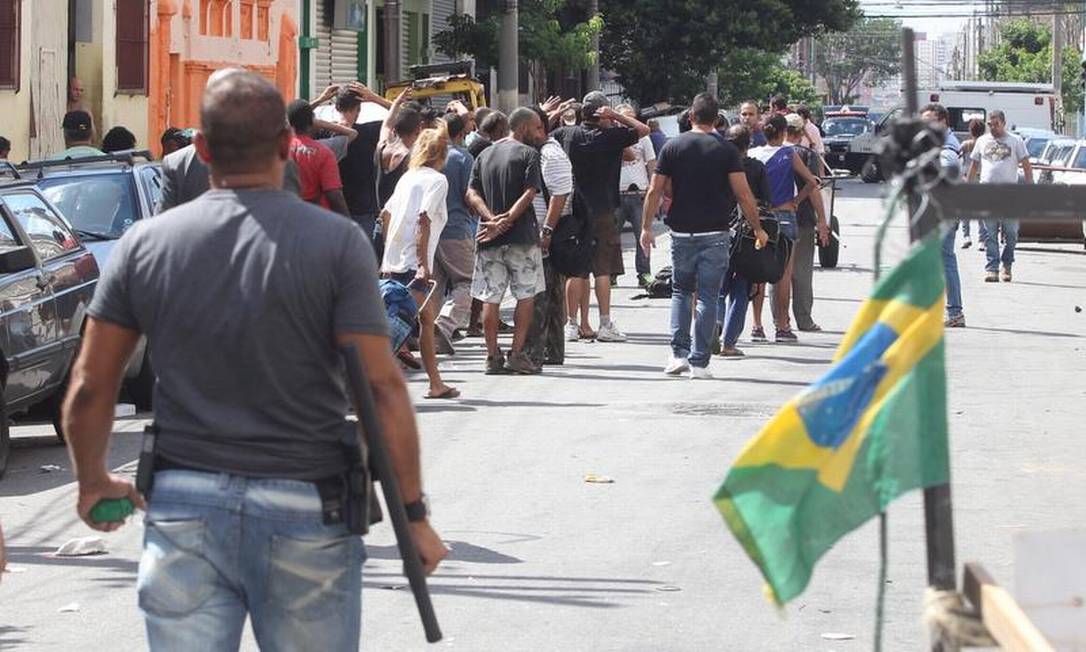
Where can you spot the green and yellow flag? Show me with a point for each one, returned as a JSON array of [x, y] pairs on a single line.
[[871, 429]]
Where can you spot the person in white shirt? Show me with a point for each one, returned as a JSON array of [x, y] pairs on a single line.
[[638, 165], [413, 220], [995, 159], [812, 136]]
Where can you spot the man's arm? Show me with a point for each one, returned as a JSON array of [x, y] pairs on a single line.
[[390, 119], [338, 129], [974, 170], [747, 204], [397, 417], [1027, 169], [168, 199], [641, 128], [660, 186], [366, 94], [337, 201], [496, 226], [478, 205], [802, 171], [326, 94], [87, 415]]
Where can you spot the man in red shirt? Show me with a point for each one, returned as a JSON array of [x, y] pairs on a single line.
[[318, 170]]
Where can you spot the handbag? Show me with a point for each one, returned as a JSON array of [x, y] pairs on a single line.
[[765, 265]]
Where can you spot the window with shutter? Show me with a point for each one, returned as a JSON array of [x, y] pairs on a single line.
[[9, 44], [132, 26], [412, 20]]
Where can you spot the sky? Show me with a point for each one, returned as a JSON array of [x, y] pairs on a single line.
[[929, 25]]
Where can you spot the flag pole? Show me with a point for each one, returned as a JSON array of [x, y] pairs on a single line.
[[938, 510]]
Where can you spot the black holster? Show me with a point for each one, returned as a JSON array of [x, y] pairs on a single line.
[[145, 470]]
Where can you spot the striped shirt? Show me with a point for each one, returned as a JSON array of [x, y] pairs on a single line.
[[557, 179]]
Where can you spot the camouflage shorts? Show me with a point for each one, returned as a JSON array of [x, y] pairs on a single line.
[[516, 267]]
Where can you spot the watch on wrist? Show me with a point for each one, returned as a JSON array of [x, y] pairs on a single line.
[[547, 231], [419, 510]]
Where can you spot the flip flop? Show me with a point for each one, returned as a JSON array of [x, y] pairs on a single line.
[[450, 392], [408, 360]]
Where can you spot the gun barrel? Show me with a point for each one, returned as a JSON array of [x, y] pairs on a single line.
[[381, 463]]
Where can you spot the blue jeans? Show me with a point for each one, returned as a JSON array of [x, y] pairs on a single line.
[[219, 546], [965, 228], [950, 269], [629, 211], [991, 243], [698, 263], [732, 309]]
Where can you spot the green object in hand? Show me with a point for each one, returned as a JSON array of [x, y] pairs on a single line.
[[111, 510]]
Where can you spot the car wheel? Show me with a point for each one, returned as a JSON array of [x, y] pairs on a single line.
[[5, 437], [142, 387], [827, 256]]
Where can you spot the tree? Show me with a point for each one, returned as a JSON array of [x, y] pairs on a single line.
[[553, 35], [1024, 54], [664, 49], [868, 53], [751, 74]]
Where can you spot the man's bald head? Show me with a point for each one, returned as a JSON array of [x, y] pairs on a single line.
[[243, 122], [223, 73]]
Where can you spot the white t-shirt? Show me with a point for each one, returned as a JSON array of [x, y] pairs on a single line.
[[634, 173], [999, 157], [557, 173], [420, 190]]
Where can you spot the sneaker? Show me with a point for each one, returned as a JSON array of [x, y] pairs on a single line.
[[757, 334], [676, 366], [813, 328], [504, 328], [967, 242], [645, 280], [442, 343], [1006, 274], [495, 364], [785, 337], [957, 321], [474, 331], [520, 363], [991, 277], [609, 333], [980, 246], [731, 352], [572, 333], [700, 373]]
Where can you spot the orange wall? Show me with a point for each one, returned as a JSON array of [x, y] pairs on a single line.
[[190, 39]]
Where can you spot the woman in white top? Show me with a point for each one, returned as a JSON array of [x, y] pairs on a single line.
[[412, 222]]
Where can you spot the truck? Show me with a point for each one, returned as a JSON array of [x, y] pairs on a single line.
[[1027, 106]]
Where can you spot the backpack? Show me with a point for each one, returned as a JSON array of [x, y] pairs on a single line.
[[660, 287], [765, 265]]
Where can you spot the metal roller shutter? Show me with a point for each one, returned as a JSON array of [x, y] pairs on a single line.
[[336, 59]]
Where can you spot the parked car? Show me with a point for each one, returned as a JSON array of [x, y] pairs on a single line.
[[1070, 161], [47, 279], [102, 196], [1055, 153]]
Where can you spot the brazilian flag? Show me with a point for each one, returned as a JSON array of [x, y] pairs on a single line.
[[871, 429]]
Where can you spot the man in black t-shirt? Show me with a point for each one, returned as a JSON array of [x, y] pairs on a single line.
[[595, 148], [504, 181], [704, 176], [358, 169]]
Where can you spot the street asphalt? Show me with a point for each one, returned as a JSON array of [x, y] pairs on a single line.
[[544, 560]]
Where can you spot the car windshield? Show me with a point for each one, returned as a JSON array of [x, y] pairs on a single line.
[[1080, 159], [1035, 146], [96, 205], [846, 126]]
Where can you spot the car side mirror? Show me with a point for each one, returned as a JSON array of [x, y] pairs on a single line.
[[17, 260]]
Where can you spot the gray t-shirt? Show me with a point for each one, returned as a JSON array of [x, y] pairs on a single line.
[[999, 157], [240, 294]]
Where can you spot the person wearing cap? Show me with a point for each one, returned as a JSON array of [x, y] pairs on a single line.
[[174, 139], [595, 148], [78, 134], [811, 225]]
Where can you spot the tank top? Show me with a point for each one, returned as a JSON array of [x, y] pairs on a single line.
[[778, 167]]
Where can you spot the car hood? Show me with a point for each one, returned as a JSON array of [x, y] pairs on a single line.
[[101, 249]]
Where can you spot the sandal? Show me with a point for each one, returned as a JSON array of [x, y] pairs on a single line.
[[448, 392], [586, 335], [408, 360]]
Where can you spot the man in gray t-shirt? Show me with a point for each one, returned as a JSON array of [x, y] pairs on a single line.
[[995, 159], [245, 295]]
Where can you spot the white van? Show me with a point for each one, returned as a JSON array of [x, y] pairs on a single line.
[[1027, 106]]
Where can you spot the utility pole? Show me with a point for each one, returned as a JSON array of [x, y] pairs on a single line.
[[593, 81], [393, 53], [1057, 70], [508, 58]]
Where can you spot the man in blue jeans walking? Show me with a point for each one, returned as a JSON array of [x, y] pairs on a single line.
[[245, 295], [704, 176], [949, 158]]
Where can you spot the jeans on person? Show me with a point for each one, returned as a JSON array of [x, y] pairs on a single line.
[[732, 309], [629, 211], [950, 269], [218, 546], [698, 263], [965, 228], [991, 243]]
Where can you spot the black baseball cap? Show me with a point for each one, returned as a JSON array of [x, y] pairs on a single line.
[[77, 121], [593, 102]]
